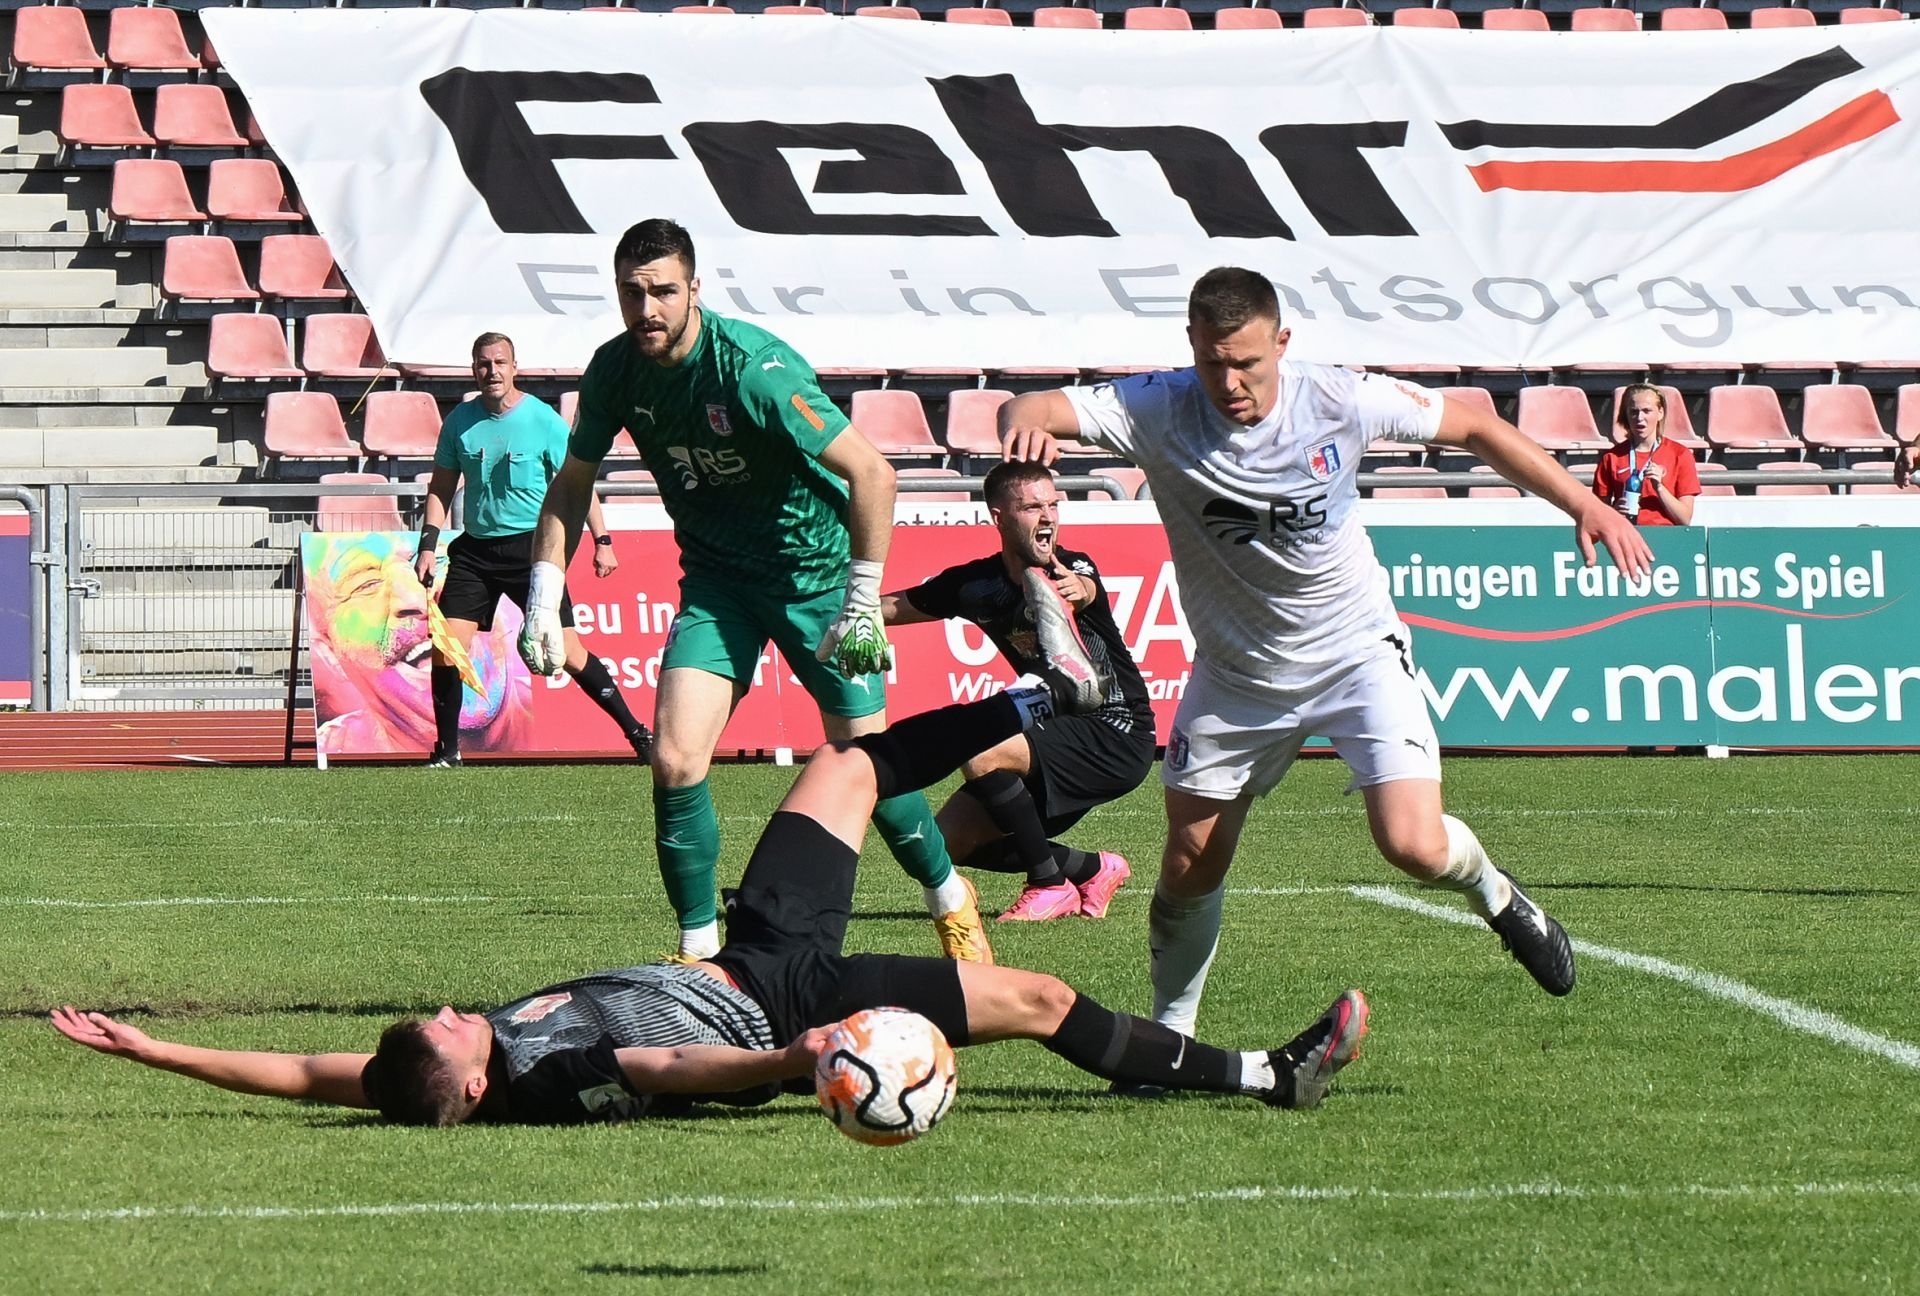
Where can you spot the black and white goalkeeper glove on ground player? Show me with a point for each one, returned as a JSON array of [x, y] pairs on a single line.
[[856, 643], [543, 644]]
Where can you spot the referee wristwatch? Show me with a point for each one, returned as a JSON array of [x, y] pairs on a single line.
[[603, 540]]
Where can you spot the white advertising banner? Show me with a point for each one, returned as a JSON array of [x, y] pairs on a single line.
[[901, 194]]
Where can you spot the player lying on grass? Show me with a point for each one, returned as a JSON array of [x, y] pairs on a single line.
[[749, 1022]]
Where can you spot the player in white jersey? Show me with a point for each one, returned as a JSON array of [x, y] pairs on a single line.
[[1252, 460]]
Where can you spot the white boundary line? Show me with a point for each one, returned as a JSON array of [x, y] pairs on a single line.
[[189, 902], [1797, 1016], [1282, 1194]]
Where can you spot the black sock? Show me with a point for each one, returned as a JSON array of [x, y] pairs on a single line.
[[1117, 1046], [606, 695], [923, 749], [1004, 796], [994, 857], [446, 686], [1078, 865]]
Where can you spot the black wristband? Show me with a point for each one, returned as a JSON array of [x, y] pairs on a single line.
[[603, 540], [429, 540]]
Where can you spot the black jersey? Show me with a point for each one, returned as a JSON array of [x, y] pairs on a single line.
[[558, 1043], [983, 593]]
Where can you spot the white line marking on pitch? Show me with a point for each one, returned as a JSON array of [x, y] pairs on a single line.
[[1798, 1016], [182, 902], [1278, 1193]]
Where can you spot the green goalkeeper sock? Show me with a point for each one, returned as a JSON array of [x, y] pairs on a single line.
[[687, 835], [906, 825]]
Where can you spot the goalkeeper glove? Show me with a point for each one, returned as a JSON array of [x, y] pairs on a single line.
[[857, 642], [542, 645]]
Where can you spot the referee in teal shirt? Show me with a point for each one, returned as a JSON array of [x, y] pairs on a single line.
[[506, 444]]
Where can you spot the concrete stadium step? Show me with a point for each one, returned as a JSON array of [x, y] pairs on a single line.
[[63, 395], [133, 528], [42, 326], [204, 663], [192, 571], [42, 289], [30, 213], [170, 446], [57, 416], [107, 622], [134, 366]]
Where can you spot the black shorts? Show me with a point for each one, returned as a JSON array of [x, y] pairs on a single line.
[[1080, 762], [786, 925], [483, 569]]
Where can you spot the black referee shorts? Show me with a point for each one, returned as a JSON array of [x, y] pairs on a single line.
[[786, 925], [1080, 762], [483, 569]]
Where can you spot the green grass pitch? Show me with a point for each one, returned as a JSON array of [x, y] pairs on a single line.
[[1743, 1117]]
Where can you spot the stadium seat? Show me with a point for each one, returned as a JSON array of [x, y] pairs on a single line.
[[149, 194], [794, 10], [248, 347], [1528, 20], [973, 434], [1906, 419], [1864, 14], [1600, 18], [1494, 490], [1884, 466], [1798, 488], [1156, 18], [1335, 16], [200, 270], [1430, 491], [1747, 418], [306, 425], [932, 497], [148, 39], [1066, 16], [720, 9], [1131, 480], [1419, 17], [888, 11], [1782, 16], [1559, 419], [1685, 18], [194, 117], [400, 424], [1679, 427], [342, 346], [357, 512], [896, 423], [51, 43], [298, 271], [1242, 18], [1841, 416], [97, 118], [1476, 397], [249, 193], [979, 17]]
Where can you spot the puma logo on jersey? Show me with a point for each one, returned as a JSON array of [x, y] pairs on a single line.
[[1419, 743], [771, 364], [642, 409]]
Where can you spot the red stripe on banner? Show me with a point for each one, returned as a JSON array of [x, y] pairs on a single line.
[[1861, 119], [14, 524], [1569, 632]]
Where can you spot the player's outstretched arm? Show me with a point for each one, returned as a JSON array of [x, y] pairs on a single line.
[[1514, 455], [714, 1068], [856, 643], [312, 1077], [1033, 424]]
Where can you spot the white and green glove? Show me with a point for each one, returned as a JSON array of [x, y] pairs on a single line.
[[857, 642], [543, 646]]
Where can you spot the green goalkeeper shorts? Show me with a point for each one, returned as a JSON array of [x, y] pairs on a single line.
[[723, 629]]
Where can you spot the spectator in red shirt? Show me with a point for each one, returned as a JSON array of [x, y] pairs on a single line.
[[1651, 480]]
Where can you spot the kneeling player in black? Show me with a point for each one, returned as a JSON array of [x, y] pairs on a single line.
[[748, 1023], [1035, 786]]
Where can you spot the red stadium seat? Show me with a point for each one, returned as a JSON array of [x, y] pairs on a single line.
[[887, 11], [249, 347], [1132, 481], [720, 9], [1680, 18], [52, 39], [1863, 14], [148, 39], [1246, 20], [1156, 18], [1559, 419], [1884, 466], [1782, 16], [1433, 491], [194, 117], [357, 512], [1500, 490], [249, 191], [1841, 416], [1598, 18], [150, 192], [300, 268], [1800, 488], [1747, 418], [979, 17], [1528, 20], [1066, 16], [1906, 419], [1333, 16], [203, 269], [794, 10], [931, 497], [895, 422], [400, 424], [1679, 426], [1477, 397], [307, 425], [972, 431], [100, 117], [1412, 17], [342, 346]]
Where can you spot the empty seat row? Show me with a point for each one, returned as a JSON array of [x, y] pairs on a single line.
[[393, 424], [100, 121], [202, 272], [54, 41], [245, 196]]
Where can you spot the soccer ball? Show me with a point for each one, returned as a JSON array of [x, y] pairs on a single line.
[[886, 1076]]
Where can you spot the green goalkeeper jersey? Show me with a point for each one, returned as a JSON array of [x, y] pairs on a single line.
[[732, 436]]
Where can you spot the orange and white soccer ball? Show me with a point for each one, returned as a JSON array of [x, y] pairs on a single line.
[[886, 1076]]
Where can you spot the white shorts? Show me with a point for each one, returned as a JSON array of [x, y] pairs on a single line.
[[1228, 741]]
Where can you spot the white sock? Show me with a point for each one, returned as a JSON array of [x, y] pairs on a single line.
[[700, 942], [1256, 1073], [1035, 700], [1182, 936], [949, 896], [1471, 873]]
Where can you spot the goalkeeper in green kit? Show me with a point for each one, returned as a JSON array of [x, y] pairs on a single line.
[[783, 513]]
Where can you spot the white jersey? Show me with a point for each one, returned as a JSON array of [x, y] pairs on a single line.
[[1278, 577]]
